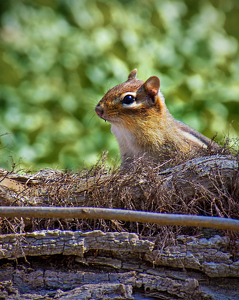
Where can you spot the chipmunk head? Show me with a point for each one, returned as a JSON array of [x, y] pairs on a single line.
[[130, 100], [142, 124]]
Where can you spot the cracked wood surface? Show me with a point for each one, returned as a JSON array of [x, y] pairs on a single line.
[[82, 265], [121, 263]]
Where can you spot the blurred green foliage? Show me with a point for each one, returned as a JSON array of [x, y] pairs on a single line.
[[58, 58]]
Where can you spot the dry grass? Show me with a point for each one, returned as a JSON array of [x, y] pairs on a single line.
[[136, 187]]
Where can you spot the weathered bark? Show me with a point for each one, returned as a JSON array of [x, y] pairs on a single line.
[[82, 265], [121, 264]]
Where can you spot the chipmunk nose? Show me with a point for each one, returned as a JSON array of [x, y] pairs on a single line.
[[99, 110]]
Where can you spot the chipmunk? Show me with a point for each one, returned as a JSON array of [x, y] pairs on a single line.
[[142, 123]]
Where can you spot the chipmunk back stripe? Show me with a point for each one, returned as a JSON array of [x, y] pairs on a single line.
[[193, 135]]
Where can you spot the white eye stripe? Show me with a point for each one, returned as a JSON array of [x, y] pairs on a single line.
[[128, 93]]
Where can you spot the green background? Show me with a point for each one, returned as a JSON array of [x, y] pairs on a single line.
[[58, 58]]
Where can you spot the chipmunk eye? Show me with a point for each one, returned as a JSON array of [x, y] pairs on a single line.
[[128, 99]]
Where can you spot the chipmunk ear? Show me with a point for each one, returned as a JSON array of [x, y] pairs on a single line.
[[152, 85], [133, 74]]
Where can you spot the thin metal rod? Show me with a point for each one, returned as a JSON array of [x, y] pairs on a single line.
[[119, 214]]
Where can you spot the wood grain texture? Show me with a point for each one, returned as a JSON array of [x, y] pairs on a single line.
[[123, 263], [67, 264]]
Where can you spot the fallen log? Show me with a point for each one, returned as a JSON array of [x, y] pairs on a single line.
[[130, 259], [117, 262], [189, 176]]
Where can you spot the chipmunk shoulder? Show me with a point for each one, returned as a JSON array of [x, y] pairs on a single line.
[[142, 123]]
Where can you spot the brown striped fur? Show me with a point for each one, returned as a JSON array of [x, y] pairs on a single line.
[[146, 127]]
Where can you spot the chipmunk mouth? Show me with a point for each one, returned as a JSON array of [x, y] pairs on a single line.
[[101, 113]]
